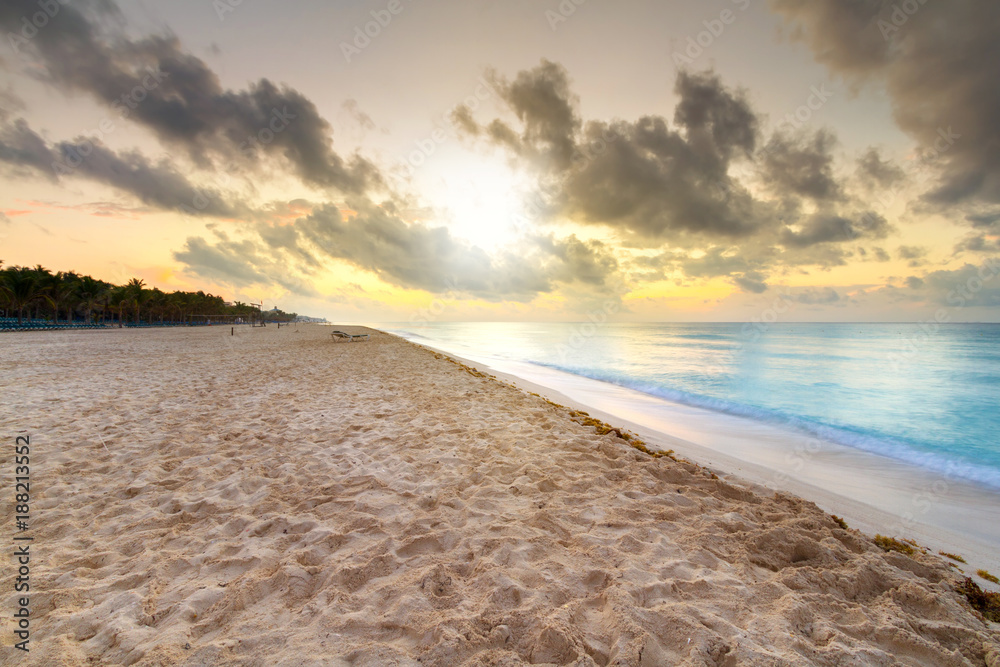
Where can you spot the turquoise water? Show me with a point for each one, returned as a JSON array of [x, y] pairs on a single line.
[[926, 395]]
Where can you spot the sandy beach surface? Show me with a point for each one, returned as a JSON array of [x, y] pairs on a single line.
[[276, 498]]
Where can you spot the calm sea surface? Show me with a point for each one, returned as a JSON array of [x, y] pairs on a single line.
[[928, 397]]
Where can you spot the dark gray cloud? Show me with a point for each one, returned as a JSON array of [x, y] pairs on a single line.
[[990, 221], [160, 185], [588, 262], [977, 243], [824, 228], [643, 178], [801, 166], [915, 254], [718, 121], [876, 173], [746, 270], [542, 100], [240, 264], [968, 286], [462, 117], [752, 281], [648, 181], [940, 65], [661, 184], [154, 82], [818, 296]]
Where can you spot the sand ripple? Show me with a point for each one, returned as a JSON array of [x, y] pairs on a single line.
[[274, 498]]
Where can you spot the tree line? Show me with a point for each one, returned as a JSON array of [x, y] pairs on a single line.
[[39, 294]]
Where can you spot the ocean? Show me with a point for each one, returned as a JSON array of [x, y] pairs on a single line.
[[924, 395]]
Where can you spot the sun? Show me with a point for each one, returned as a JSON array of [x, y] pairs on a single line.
[[482, 201]]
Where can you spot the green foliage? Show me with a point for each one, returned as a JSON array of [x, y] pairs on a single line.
[[952, 556], [66, 296], [987, 576], [840, 522], [985, 602], [892, 544]]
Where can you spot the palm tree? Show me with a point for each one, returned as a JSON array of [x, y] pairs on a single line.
[[42, 280], [62, 292], [20, 287], [118, 298], [137, 296], [92, 294]]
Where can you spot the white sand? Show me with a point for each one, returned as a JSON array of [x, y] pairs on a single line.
[[275, 498], [874, 493]]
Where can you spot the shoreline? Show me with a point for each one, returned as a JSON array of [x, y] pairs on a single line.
[[274, 498], [872, 492]]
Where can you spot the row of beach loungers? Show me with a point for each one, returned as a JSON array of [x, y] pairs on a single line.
[[11, 324]]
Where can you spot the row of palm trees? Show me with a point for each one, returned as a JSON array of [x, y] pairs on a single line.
[[67, 297]]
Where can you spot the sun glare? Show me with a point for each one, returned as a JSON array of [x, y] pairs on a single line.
[[482, 201]]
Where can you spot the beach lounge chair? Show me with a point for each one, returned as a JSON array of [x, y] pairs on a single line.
[[350, 338]]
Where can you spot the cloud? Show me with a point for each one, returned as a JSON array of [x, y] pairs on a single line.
[[461, 116], [239, 264], [824, 228], [985, 220], [939, 65], [876, 173], [412, 256], [915, 254], [657, 184], [752, 281], [641, 178], [161, 185], [360, 117], [542, 101], [977, 243], [154, 82], [801, 166], [967, 286], [818, 296], [588, 262]]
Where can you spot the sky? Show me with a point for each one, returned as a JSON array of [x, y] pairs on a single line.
[[542, 160]]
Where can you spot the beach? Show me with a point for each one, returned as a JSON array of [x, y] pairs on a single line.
[[275, 497]]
